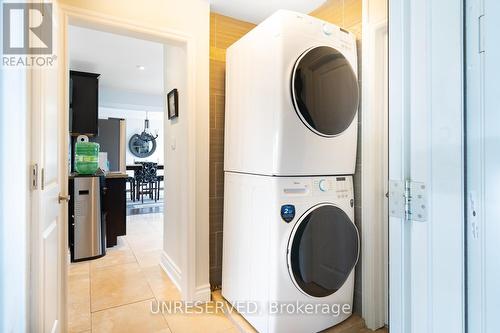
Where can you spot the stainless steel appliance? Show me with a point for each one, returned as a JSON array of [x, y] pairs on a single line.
[[87, 225], [112, 139]]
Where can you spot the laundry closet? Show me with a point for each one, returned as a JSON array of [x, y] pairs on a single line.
[[291, 125]]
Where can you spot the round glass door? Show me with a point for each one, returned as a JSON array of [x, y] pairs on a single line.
[[322, 250], [325, 91]]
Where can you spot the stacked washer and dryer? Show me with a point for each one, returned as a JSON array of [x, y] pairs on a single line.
[[290, 153]]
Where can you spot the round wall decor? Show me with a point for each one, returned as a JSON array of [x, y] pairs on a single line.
[[141, 148]]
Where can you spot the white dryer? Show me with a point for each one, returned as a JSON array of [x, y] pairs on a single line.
[[290, 244], [292, 99]]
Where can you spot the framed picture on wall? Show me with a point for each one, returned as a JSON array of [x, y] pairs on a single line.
[[173, 104]]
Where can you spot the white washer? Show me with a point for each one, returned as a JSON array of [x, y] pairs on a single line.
[[291, 241], [292, 99]]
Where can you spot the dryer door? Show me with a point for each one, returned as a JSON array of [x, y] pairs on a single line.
[[325, 91], [323, 250]]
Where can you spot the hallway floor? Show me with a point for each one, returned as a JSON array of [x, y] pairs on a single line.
[[115, 293]]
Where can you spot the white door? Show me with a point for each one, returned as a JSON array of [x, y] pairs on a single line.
[[483, 164], [426, 232], [47, 232]]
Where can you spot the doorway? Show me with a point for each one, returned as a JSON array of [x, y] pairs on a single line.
[[131, 139], [188, 163]]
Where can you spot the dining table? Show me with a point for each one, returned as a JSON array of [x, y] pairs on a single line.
[[134, 167]]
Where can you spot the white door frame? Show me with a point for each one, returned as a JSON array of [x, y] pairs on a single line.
[[427, 145], [483, 160], [48, 214], [193, 251], [374, 162]]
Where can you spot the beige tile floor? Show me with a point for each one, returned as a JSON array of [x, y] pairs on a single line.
[[115, 293]]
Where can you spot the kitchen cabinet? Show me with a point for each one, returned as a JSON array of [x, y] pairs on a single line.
[[83, 103], [115, 208]]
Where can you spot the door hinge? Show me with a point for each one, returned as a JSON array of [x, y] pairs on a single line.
[[481, 33], [34, 177], [408, 200]]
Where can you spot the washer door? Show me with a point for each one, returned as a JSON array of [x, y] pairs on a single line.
[[323, 250], [325, 91]]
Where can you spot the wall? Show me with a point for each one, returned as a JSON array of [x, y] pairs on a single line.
[[348, 15], [224, 31], [187, 142], [127, 100], [135, 125], [175, 78], [375, 159]]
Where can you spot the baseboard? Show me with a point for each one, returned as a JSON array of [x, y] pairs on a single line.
[[173, 271], [202, 293]]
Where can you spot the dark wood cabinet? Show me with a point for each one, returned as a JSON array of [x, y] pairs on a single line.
[[115, 209], [83, 103]]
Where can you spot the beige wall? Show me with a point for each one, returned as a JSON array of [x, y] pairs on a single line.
[[224, 31], [347, 14]]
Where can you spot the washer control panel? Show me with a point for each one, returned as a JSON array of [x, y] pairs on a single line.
[[323, 185], [341, 187], [327, 29]]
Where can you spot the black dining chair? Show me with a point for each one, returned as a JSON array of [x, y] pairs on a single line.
[[147, 181], [160, 179], [131, 181]]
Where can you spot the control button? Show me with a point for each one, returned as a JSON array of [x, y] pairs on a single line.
[[327, 29], [323, 185]]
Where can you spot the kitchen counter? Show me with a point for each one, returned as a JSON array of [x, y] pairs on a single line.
[[116, 175], [135, 167], [108, 175]]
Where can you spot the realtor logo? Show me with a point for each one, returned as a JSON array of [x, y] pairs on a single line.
[[27, 28]]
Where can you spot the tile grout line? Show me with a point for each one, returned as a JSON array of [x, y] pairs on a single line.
[[149, 285], [114, 265], [92, 270], [145, 299], [152, 291], [147, 281], [125, 304]]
